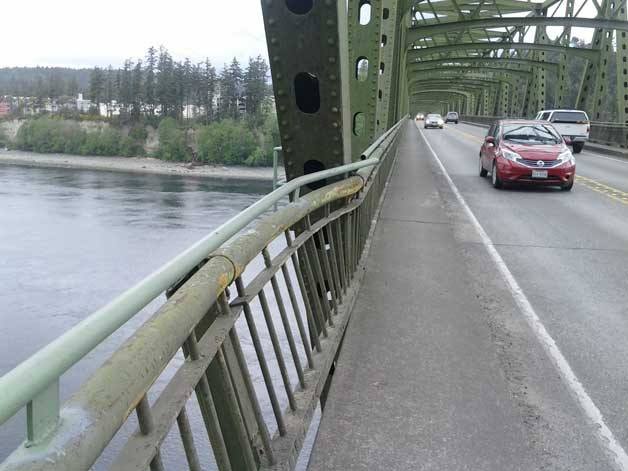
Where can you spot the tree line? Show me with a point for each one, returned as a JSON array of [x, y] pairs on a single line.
[[43, 82], [158, 85]]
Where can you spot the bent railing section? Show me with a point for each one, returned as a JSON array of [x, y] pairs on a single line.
[[245, 341]]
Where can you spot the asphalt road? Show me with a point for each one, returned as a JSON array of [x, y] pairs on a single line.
[[568, 251]]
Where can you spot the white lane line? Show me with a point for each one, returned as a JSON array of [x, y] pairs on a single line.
[[603, 433]]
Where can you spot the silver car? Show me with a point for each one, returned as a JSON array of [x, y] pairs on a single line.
[[434, 121]]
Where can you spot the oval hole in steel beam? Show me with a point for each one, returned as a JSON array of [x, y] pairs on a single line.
[[300, 7], [307, 92]]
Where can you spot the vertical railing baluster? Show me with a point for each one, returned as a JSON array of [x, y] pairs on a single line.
[[208, 411], [284, 319], [248, 383], [327, 270], [232, 404], [310, 245], [297, 314], [319, 313], [349, 243], [187, 438], [277, 348], [333, 256], [147, 425], [261, 358], [306, 302], [341, 253]]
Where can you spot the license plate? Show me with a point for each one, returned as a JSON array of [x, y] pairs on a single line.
[[539, 173]]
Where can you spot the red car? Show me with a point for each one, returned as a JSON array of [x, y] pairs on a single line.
[[521, 151]]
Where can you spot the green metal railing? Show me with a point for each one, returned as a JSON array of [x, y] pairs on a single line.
[[325, 234]]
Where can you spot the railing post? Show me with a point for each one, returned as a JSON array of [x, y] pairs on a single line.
[[42, 415]]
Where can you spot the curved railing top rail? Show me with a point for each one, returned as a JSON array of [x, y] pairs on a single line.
[[21, 385]]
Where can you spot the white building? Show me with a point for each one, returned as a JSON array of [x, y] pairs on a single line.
[[82, 105]]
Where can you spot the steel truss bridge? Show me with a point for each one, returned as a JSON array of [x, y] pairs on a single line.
[[346, 75]]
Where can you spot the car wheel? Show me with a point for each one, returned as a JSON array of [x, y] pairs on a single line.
[[495, 180], [456, 122], [483, 171], [577, 147], [568, 186]]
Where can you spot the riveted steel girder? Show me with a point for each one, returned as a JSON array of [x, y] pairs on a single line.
[[389, 57], [364, 52], [308, 51]]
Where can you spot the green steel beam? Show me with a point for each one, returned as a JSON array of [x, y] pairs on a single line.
[[463, 69], [417, 32], [389, 57], [364, 50], [311, 84], [562, 84], [414, 54], [412, 66]]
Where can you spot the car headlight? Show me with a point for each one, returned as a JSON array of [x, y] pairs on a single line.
[[510, 155], [566, 157], [440, 121]]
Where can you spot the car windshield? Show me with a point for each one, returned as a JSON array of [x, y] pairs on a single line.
[[569, 117], [452, 114], [433, 116], [531, 134]]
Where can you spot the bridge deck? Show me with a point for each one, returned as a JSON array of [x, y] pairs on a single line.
[[420, 381]]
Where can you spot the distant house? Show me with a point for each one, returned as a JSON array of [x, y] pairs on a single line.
[[82, 105], [5, 108]]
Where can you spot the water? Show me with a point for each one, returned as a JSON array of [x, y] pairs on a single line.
[[71, 240]]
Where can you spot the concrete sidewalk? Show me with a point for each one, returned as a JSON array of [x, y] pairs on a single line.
[[418, 383]]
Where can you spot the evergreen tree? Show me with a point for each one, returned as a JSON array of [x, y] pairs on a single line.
[[126, 86], [97, 86], [72, 87], [136, 91], [166, 92], [110, 90], [255, 86], [149, 80], [207, 89], [230, 90]]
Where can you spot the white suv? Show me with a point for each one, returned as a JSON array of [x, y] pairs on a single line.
[[573, 125]]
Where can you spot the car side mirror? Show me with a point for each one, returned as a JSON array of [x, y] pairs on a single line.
[[489, 140]]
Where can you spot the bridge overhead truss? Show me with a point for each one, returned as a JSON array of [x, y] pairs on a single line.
[[374, 60]]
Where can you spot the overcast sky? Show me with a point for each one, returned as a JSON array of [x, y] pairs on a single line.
[[79, 33]]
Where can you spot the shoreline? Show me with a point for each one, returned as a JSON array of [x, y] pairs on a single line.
[[145, 165]]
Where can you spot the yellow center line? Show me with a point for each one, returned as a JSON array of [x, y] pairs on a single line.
[[590, 183]]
